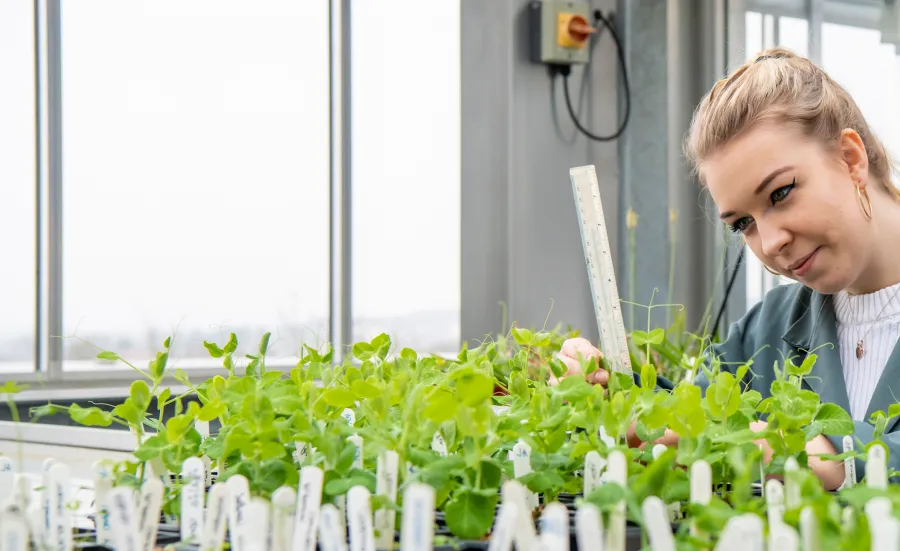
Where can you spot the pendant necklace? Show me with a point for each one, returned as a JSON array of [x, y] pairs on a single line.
[[860, 346]]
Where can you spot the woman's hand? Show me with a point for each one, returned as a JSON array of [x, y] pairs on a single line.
[[569, 355], [831, 473], [669, 439]]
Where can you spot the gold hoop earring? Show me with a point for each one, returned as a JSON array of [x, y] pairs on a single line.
[[867, 211], [771, 271]]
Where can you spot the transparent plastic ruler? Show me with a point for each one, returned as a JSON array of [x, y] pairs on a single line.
[[598, 258]]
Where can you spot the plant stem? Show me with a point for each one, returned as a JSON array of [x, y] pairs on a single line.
[[673, 240], [632, 273]]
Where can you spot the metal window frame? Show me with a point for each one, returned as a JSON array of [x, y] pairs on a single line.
[[49, 372]]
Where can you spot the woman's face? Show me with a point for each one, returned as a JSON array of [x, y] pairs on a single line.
[[795, 203]]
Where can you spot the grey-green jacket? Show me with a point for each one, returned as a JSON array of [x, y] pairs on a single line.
[[790, 321]]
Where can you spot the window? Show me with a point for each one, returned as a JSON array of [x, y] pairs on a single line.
[[18, 188], [870, 71], [195, 176], [406, 173]]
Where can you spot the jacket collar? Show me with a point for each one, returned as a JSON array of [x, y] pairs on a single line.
[[813, 329]]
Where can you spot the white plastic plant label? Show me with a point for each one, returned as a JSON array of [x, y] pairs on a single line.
[[504, 527], [735, 536], [103, 483], [521, 457], [525, 536], [284, 506], [884, 528], [331, 533], [359, 519], [617, 471], [774, 501], [306, 515], [791, 488], [606, 438], [357, 441], [593, 470], [701, 487], [48, 529], [589, 527], [61, 535], [13, 528], [417, 530], [750, 531], [202, 427], [783, 537], [36, 517], [554, 524], [218, 507], [123, 516], [809, 530], [386, 485], [438, 445], [849, 464], [193, 474], [149, 507], [6, 479], [257, 525], [656, 522], [876, 468], [239, 492], [349, 415], [301, 452]]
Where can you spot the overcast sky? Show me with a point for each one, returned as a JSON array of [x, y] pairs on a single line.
[[196, 161]]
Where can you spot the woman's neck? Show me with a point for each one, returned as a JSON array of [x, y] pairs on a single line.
[[883, 269]]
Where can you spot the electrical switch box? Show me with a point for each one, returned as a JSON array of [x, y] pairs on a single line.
[[559, 31]]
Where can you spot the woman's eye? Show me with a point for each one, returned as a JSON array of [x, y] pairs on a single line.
[[781, 193], [740, 225]]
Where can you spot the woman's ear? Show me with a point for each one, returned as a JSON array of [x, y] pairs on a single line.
[[853, 153]]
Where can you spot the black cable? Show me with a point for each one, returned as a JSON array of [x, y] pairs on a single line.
[[565, 71], [737, 267]]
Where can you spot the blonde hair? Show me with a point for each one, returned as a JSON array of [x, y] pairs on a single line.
[[782, 87]]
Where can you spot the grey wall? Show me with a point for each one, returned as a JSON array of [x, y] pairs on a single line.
[[520, 239], [521, 244]]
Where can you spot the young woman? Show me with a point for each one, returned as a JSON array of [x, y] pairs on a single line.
[[793, 167]]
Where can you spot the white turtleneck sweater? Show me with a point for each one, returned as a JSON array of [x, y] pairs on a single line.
[[874, 318]]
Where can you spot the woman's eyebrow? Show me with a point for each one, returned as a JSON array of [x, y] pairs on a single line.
[[765, 182]]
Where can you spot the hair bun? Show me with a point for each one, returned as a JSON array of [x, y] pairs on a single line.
[[775, 53]]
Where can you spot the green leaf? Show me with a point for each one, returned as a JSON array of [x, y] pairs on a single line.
[[213, 349], [648, 376], [91, 417], [606, 496], [231, 345], [151, 448], [10, 387], [363, 351], [523, 337], [339, 397], [574, 389], [107, 355], [893, 410], [640, 338], [441, 406], [656, 336], [470, 514], [365, 389], [264, 343], [475, 388], [542, 481], [140, 395], [834, 420]]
